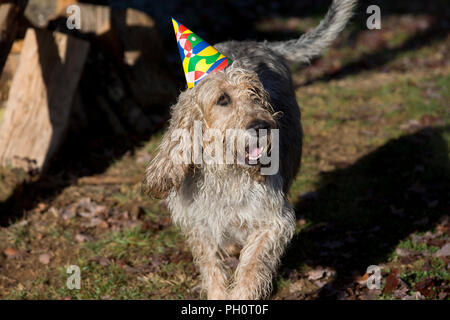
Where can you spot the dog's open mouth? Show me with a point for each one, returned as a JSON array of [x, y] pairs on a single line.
[[253, 155]]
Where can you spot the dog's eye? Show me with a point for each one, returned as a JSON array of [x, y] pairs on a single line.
[[224, 100]]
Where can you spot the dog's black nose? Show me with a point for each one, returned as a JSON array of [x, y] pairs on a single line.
[[259, 124]]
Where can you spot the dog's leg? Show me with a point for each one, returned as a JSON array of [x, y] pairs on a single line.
[[260, 256], [252, 278], [214, 276], [258, 261]]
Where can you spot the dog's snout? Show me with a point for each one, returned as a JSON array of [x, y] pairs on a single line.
[[259, 124]]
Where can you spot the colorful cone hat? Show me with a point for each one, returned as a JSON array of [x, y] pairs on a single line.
[[197, 56]]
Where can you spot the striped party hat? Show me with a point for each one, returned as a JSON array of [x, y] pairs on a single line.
[[197, 56]]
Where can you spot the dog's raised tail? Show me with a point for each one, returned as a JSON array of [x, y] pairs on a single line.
[[312, 43]]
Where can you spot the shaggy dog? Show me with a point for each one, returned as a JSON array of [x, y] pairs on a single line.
[[224, 208]]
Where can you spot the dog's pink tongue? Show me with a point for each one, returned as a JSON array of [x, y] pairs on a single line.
[[255, 153]]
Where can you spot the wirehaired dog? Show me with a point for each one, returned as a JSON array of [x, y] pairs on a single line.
[[222, 208]]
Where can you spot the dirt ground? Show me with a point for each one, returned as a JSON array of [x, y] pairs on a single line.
[[373, 188]]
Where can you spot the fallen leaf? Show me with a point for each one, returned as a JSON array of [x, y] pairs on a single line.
[[405, 252], [68, 213], [83, 237], [54, 212], [130, 269], [85, 214], [157, 260], [315, 274], [444, 251], [392, 281], [10, 252], [415, 296], [101, 261], [443, 295], [93, 223], [296, 286], [362, 280], [402, 291], [425, 287], [301, 222], [41, 207], [44, 258], [417, 239], [125, 267], [103, 225], [407, 260], [368, 295], [330, 272], [435, 242]]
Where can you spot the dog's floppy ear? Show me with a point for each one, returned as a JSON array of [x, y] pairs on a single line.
[[164, 173]]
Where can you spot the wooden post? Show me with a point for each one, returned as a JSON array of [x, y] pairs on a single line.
[[10, 14], [40, 12], [40, 98], [144, 55]]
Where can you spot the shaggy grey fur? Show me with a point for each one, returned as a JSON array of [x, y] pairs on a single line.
[[220, 208]]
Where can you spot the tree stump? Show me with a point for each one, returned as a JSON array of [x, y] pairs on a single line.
[[40, 98]]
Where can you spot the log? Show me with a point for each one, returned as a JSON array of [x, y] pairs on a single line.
[[96, 24], [40, 98], [9, 69], [40, 12], [10, 14], [94, 19], [131, 37]]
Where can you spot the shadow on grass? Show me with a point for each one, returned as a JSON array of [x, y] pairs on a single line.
[[382, 56], [80, 156], [99, 132], [360, 213]]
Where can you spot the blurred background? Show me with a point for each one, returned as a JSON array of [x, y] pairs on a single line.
[[82, 112]]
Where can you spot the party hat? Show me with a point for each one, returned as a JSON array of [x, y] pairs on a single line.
[[197, 56]]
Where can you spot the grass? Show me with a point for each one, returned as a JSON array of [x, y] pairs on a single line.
[[375, 172]]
